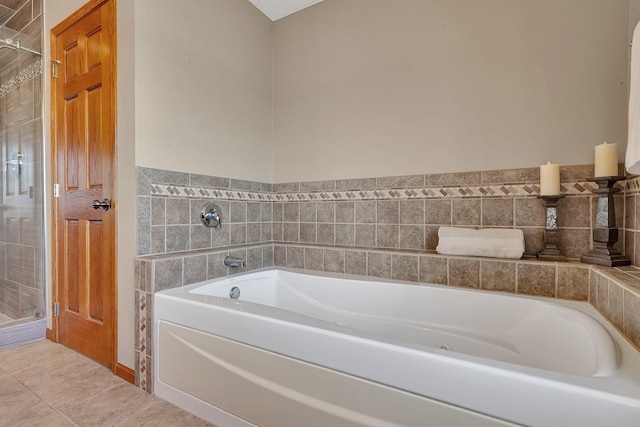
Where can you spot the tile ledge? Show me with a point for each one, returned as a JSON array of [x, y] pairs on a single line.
[[627, 277]]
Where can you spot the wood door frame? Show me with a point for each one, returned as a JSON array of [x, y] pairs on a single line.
[[55, 32]]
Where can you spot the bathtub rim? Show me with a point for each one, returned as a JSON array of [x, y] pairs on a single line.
[[614, 392], [606, 355]]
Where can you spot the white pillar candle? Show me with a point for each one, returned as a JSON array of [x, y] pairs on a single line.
[[606, 160], [550, 179]]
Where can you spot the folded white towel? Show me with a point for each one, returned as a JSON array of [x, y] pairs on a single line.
[[488, 242], [632, 160]]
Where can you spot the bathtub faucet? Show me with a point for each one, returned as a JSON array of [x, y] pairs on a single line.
[[234, 261]]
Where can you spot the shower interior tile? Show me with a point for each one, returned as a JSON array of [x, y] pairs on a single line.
[[21, 264]]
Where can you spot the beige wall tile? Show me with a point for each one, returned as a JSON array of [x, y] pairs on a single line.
[[379, 265], [313, 259], [511, 176], [409, 181], [355, 262], [326, 212], [387, 236], [573, 283], [326, 234], [345, 234], [498, 276], [412, 237], [574, 243], [616, 305], [216, 267], [238, 233], [530, 212], [438, 212], [238, 211], [345, 212], [433, 270], [366, 235], [497, 212], [334, 260], [464, 273], [308, 212], [536, 279], [466, 212], [295, 257], [405, 267], [412, 212], [291, 232], [356, 184], [631, 319], [574, 212], [365, 212], [308, 232], [453, 179], [279, 256], [291, 212], [388, 212]]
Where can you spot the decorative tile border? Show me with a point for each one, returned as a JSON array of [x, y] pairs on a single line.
[[141, 341], [631, 185], [520, 190], [31, 72]]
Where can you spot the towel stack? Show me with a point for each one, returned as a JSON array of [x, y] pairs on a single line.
[[632, 160], [488, 242]]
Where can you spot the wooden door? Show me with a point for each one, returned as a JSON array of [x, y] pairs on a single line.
[[83, 122]]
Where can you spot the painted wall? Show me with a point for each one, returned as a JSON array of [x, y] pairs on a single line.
[[203, 88], [381, 88], [126, 181]]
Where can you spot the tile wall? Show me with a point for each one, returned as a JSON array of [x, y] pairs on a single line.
[[382, 227], [21, 217]]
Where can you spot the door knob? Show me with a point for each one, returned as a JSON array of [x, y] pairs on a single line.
[[105, 204]]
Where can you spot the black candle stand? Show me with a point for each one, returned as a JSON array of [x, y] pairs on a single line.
[[605, 233], [550, 251]]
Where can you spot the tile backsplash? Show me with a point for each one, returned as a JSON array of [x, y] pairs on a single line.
[[383, 227], [386, 213]]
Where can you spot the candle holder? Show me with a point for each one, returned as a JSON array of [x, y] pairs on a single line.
[[550, 251], [605, 233]]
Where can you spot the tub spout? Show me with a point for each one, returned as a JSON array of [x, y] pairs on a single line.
[[233, 261]]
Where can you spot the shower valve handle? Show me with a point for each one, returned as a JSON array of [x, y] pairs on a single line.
[[105, 204]]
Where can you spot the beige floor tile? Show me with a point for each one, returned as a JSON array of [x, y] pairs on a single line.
[[78, 387], [32, 413], [47, 384], [55, 421], [110, 407], [39, 377], [171, 416], [43, 355], [17, 400]]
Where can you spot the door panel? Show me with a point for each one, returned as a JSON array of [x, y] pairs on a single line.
[[83, 110]]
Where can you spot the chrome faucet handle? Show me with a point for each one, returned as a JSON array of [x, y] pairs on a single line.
[[210, 215]]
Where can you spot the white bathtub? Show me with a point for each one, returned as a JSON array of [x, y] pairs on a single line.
[[299, 349]]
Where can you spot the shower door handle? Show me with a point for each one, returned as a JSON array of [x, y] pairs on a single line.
[[105, 204]]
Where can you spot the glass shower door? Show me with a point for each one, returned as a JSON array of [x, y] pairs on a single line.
[[22, 284]]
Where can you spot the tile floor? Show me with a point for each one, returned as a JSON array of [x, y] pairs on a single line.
[[46, 384]]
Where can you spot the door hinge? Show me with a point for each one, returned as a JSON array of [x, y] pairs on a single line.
[[56, 190], [56, 311], [54, 68]]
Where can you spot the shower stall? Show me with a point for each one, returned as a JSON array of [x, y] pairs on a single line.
[[22, 284]]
